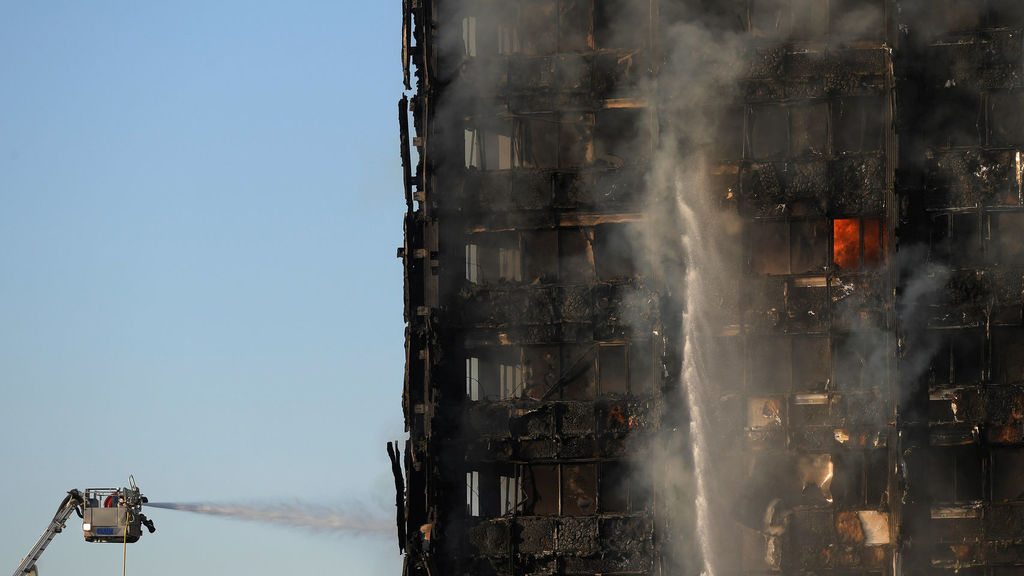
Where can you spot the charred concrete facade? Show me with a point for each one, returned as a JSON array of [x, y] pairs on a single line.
[[859, 406]]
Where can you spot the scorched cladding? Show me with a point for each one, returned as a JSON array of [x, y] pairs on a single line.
[[731, 287]]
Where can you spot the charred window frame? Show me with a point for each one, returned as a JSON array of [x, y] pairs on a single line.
[[802, 129], [494, 490], [861, 478], [1008, 356], [612, 365], [956, 238], [811, 362], [641, 367], [1005, 238], [782, 247], [857, 20], [542, 368], [954, 117], [790, 19], [579, 489], [619, 251], [859, 362], [621, 136], [1005, 113], [541, 485], [556, 141], [510, 381], [769, 131], [783, 363], [576, 256], [486, 30], [541, 141], [1004, 13], [494, 373], [540, 256], [958, 361], [623, 489], [857, 243], [964, 239], [955, 474], [858, 124], [493, 144], [808, 129], [954, 16], [546, 27], [538, 27], [621, 24], [575, 25], [578, 380], [511, 496], [571, 255], [564, 489], [809, 20], [729, 134], [494, 257], [1007, 465], [570, 371], [625, 369], [770, 365]]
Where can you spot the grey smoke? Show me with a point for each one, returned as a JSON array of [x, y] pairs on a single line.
[[295, 515], [698, 246]]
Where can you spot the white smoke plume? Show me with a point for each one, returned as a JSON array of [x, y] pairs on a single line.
[[297, 515]]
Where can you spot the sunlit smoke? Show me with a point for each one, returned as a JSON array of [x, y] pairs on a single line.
[[315, 518]]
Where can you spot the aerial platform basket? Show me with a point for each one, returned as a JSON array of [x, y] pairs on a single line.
[[111, 515]]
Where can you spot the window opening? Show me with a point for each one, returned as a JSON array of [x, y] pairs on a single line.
[[541, 487], [473, 493], [579, 489], [611, 364], [511, 376], [508, 38], [1007, 475], [857, 243], [1006, 231], [955, 474], [641, 367], [472, 148], [512, 495], [473, 263], [469, 36], [509, 263], [789, 247], [858, 124], [473, 379]]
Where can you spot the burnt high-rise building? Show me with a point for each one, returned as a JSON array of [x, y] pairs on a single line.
[[722, 287]]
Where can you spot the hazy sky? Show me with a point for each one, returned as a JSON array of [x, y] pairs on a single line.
[[200, 204]]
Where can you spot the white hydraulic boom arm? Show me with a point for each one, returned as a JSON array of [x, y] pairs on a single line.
[[71, 503]]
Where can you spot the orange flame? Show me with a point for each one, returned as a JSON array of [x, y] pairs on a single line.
[[616, 414], [846, 243]]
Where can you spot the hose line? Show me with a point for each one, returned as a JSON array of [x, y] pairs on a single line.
[[124, 552]]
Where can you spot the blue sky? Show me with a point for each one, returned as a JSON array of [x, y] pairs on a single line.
[[200, 204]]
